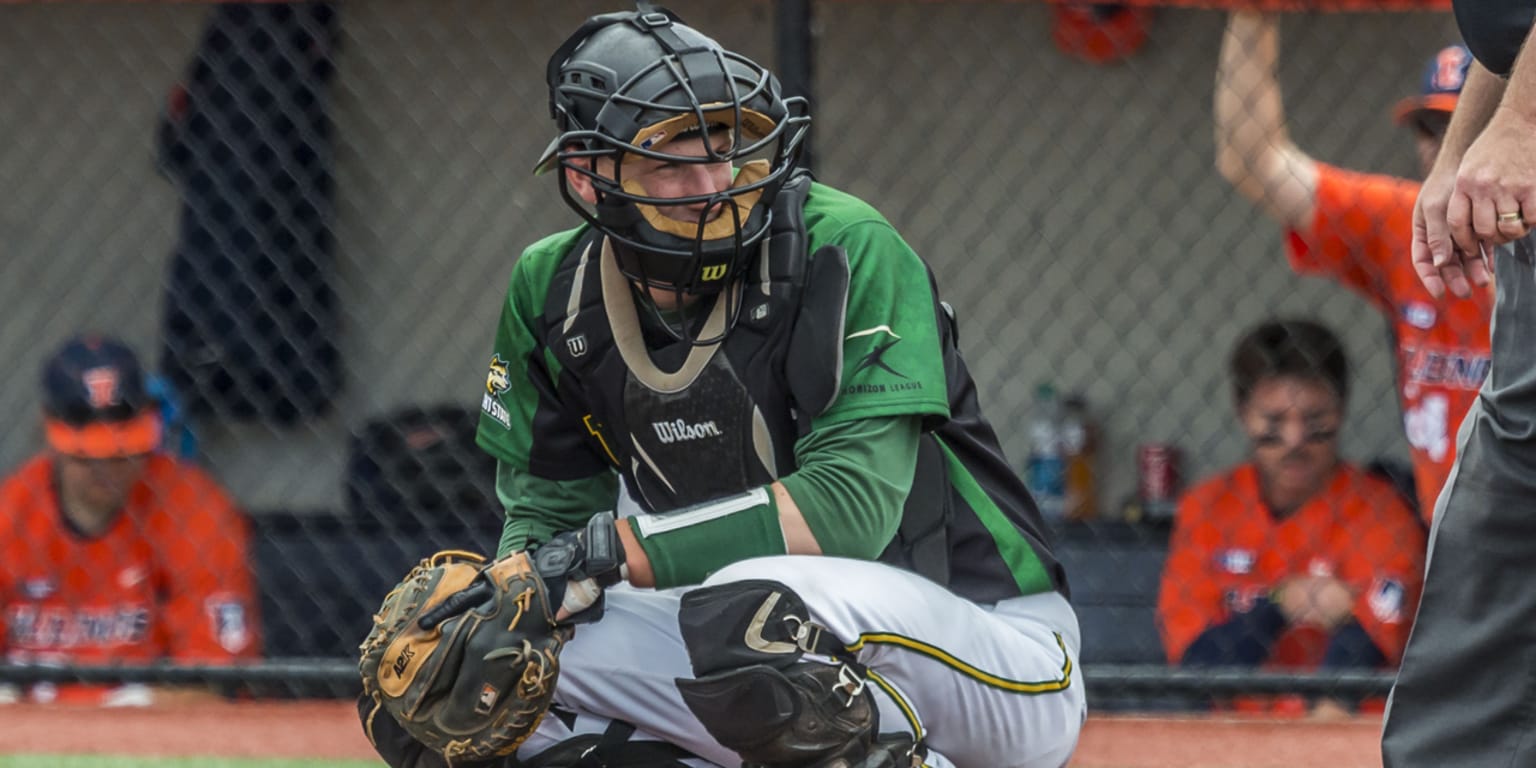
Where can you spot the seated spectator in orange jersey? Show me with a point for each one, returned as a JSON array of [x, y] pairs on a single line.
[[110, 551], [1294, 558]]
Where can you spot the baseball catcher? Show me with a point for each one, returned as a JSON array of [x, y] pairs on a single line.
[[826, 560], [464, 655]]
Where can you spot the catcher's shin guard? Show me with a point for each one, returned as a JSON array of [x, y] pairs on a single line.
[[889, 751], [808, 716]]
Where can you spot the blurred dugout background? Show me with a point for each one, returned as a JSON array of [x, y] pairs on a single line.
[[1071, 211]]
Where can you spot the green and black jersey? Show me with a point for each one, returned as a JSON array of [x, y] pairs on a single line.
[[564, 433]]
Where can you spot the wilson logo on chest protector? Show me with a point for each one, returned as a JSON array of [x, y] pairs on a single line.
[[669, 432]]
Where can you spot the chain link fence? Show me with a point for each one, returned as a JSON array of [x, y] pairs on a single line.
[[303, 219]]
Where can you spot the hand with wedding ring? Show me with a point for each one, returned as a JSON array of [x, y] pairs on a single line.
[[1494, 200]]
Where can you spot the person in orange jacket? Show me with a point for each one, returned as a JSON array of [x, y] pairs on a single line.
[[111, 552], [1294, 558]]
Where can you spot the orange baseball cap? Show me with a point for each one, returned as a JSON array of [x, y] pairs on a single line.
[[95, 404]]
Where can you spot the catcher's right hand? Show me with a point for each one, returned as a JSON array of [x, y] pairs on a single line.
[[465, 655], [579, 565], [575, 566]]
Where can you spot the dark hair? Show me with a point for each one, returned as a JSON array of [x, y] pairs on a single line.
[[1299, 349]]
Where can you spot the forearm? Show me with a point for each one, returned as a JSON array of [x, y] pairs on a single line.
[[1520, 93], [1479, 99], [1254, 151], [845, 499], [797, 536], [1250, 116]]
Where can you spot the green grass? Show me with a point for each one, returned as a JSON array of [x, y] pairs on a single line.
[[124, 761]]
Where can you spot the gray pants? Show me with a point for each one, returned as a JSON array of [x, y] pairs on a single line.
[[1466, 693]]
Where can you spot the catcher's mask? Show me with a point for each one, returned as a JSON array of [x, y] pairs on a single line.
[[624, 87]]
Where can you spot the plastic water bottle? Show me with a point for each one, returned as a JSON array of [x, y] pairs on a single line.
[[1045, 471], [1079, 442]]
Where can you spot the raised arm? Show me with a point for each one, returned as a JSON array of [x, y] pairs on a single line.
[[1254, 150]]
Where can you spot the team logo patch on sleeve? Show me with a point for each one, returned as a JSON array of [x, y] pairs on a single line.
[[883, 339], [230, 627], [497, 381], [872, 372], [1386, 600]]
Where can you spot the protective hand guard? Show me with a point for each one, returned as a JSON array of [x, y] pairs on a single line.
[[471, 679], [578, 565]]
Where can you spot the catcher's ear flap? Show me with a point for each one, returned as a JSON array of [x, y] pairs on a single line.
[[816, 343]]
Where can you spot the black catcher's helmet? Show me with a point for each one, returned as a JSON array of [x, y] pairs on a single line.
[[625, 84]]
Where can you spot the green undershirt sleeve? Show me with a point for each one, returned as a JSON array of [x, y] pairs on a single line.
[[538, 508], [853, 480]]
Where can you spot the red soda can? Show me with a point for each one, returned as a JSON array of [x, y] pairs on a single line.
[[1158, 477]]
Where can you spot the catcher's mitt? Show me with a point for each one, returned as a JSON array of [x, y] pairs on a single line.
[[475, 683]]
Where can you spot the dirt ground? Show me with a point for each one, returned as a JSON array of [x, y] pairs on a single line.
[[330, 730]]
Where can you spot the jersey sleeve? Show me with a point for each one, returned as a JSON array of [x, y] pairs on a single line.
[[1387, 566], [1189, 599], [851, 482], [892, 361], [1359, 233], [538, 508], [210, 606], [527, 419]]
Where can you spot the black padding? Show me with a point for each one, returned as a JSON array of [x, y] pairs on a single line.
[[740, 624], [816, 344], [922, 541], [1495, 30], [611, 749], [743, 708], [784, 719]]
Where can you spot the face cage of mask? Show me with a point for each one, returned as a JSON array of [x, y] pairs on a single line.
[[789, 135]]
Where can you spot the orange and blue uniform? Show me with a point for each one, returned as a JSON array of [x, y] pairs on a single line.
[[1361, 236], [167, 580], [1228, 552]]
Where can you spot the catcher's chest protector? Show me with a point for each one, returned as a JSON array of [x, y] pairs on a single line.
[[687, 424]]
